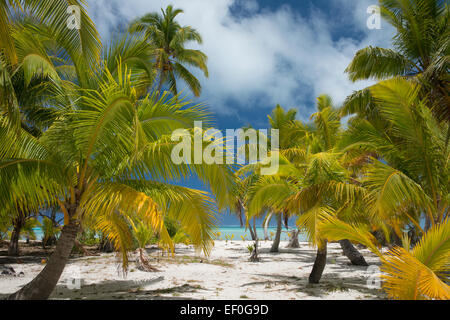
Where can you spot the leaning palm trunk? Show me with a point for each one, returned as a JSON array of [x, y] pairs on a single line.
[[45, 282], [293, 242], [276, 241], [355, 257], [319, 264], [18, 223], [106, 245], [266, 226], [13, 248]]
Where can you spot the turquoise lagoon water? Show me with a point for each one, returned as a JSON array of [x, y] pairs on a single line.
[[229, 231], [239, 232]]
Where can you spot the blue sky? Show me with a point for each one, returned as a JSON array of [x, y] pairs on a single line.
[[264, 52]]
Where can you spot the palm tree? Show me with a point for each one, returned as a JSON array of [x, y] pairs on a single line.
[[280, 120], [25, 25], [29, 70], [405, 180], [421, 50], [414, 273], [143, 234], [312, 179], [412, 150], [170, 55], [95, 162]]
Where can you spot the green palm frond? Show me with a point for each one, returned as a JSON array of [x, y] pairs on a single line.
[[378, 63], [171, 57], [390, 189], [335, 229], [193, 209]]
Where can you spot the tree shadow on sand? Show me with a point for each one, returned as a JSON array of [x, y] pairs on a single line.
[[125, 290], [330, 283]]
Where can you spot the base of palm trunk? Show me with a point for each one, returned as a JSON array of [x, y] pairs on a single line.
[[355, 257], [41, 287], [319, 265]]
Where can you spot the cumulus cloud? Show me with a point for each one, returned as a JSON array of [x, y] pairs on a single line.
[[258, 58]]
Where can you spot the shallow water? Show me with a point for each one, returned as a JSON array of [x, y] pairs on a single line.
[[236, 232]]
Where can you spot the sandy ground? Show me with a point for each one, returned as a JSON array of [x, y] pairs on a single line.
[[225, 275]]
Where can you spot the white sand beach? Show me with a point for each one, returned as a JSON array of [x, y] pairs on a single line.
[[226, 274]]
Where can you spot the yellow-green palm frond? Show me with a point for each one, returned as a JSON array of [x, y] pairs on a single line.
[[110, 205], [117, 229], [193, 209], [158, 163], [323, 167], [134, 53], [142, 232], [378, 63], [6, 40], [433, 250], [269, 192], [359, 102], [32, 54], [389, 190], [83, 43], [334, 229], [310, 222], [406, 278]]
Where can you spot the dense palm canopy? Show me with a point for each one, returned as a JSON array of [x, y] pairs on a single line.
[[94, 143], [83, 129], [171, 57], [421, 53]]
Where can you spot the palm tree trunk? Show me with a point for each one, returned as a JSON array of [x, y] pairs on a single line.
[[161, 81], [319, 264], [355, 257], [252, 229], [106, 245], [276, 241], [13, 248], [293, 242], [266, 225], [41, 287]]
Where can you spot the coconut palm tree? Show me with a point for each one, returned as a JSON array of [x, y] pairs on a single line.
[[280, 120], [405, 180], [409, 273], [312, 179], [54, 14], [95, 162], [23, 58], [143, 234], [170, 55], [420, 53], [412, 150]]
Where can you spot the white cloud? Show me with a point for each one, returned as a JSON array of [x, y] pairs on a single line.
[[263, 58]]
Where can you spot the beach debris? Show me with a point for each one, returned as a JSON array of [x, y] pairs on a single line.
[[9, 271]]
